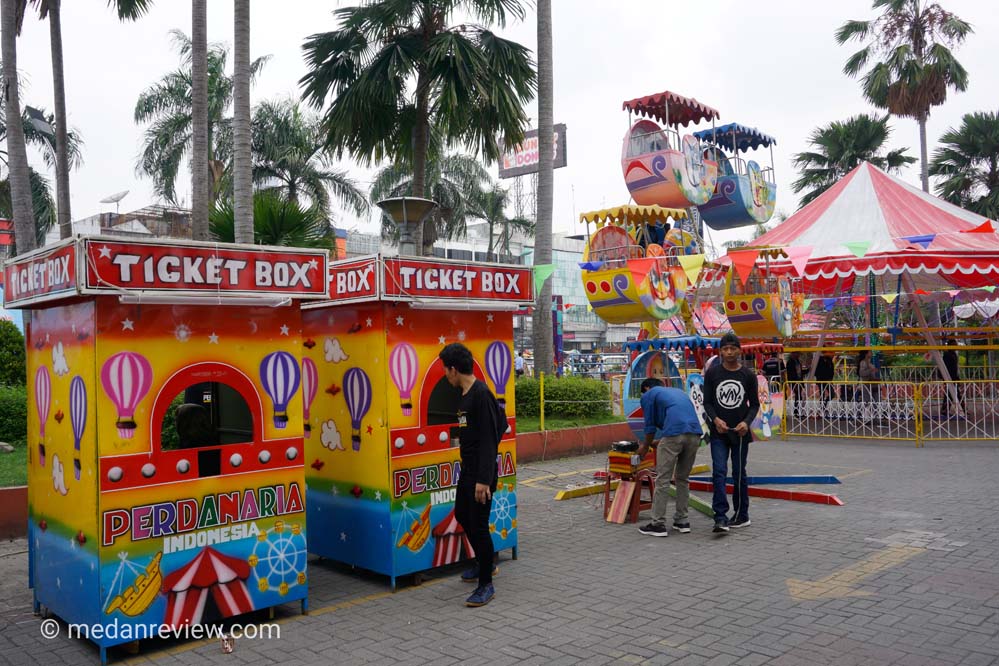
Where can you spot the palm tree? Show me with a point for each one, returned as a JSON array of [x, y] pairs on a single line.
[[544, 353], [401, 76], [17, 164], [290, 156], [242, 161], [968, 160], [276, 221], [914, 38], [452, 182], [840, 147], [492, 203], [167, 107]]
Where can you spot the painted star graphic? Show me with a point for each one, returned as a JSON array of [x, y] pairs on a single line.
[[441, 340], [378, 496], [368, 322], [370, 430], [335, 490], [127, 324], [405, 505], [213, 339], [399, 320], [58, 583], [313, 264], [284, 329], [489, 317], [461, 335], [343, 536], [105, 253]]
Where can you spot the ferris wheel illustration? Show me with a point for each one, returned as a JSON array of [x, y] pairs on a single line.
[[278, 558], [503, 517]]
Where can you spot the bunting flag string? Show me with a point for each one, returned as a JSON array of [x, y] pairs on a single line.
[[923, 241], [743, 262], [858, 248], [541, 274], [798, 255], [691, 264]]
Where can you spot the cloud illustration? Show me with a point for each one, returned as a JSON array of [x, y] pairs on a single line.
[[334, 353], [331, 436], [59, 365], [58, 477]]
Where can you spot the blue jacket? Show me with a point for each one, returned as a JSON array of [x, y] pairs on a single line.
[[669, 412]]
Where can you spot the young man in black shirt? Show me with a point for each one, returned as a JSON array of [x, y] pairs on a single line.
[[731, 402], [478, 425]]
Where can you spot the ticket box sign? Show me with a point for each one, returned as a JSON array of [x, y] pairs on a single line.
[[406, 278], [354, 280], [40, 276]]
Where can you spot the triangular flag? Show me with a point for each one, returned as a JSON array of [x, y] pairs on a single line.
[[691, 264], [985, 227], [858, 248], [591, 265], [953, 293], [921, 292], [923, 240], [805, 303], [829, 303], [989, 289], [640, 268], [743, 262], [858, 300], [889, 298], [541, 274], [798, 256], [589, 308]]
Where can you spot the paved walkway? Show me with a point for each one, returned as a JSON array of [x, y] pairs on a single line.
[[907, 572]]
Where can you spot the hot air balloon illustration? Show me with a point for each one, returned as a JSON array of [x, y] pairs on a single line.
[[43, 400], [310, 385], [126, 378], [279, 375], [403, 366], [78, 417], [498, 368], [357, 390]]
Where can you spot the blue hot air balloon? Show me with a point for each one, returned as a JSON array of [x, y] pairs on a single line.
[[357, 391], [78, 417], [498, 368], [280, 375]]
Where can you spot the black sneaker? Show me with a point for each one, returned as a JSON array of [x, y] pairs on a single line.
[[740, 522], [682, 528], [721, 525], [654, 530]]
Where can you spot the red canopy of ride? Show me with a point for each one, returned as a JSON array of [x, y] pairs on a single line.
[[671, 109], [897, 228]]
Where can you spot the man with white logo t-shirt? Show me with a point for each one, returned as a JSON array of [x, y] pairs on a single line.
[[731, 402]]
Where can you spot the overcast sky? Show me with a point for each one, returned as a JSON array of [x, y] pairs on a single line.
[[773, 64]]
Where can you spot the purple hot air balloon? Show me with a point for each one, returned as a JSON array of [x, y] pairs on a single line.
[[498, 368], [357, 391], [43, 400], [403, 367], [279, 375], [78, 417], [126, 378], [310, 384]]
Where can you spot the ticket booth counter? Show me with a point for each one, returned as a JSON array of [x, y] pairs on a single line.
[[381, 420], [165, 471]]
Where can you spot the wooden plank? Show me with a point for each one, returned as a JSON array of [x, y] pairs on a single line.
[[777, 493], [784, 479], [584, 491], [621, 503]]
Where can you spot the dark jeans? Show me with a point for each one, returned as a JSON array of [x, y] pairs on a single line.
[[721, 450], [474, 519]]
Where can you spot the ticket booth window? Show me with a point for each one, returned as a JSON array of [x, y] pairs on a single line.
[[207, 416]]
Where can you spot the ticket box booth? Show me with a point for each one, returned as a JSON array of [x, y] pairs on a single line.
[[381, 419], [165, 472]]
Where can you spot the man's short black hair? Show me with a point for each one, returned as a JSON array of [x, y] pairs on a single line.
[[457, 356], [651, 383]]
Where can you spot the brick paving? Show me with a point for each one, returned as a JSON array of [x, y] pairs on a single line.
[[907, 572]]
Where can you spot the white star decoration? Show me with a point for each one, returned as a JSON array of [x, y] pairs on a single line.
[[105, 253], [127, 324], [399, 320], [378, 496], [441, 340], [489, 317], [368, 322], [334, 490], [182, 333], [343, 536], [313, 264], [213, 339], [284, 329]]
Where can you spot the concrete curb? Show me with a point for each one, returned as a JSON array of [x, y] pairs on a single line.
[[536, 446]]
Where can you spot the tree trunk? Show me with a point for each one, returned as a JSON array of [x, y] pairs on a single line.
[[924, 177], [65, 217], [542, 322], [421, 141], [241, 162], [200, 179], [17, 155], [489, 252]]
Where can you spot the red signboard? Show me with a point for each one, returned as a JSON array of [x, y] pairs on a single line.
[[429, 279], [115, 265], [40, 276], [354, 280]]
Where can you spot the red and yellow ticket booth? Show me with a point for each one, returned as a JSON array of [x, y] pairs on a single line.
[[381, 420], [139, 518]]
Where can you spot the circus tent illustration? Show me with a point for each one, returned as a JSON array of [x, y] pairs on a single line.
[[449, 539], [211, 578]]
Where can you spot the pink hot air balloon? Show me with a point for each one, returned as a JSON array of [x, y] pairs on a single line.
[[403, 366], [43, 400], [126, 378], [310, 384]]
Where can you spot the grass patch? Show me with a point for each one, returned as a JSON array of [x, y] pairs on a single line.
[[533, 423], [14, 466]]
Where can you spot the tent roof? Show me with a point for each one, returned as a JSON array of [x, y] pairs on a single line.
[[209, 567], [668, 108], [734, 137], [908, 231]]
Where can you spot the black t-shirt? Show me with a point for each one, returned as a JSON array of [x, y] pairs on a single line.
[[950, 362], [824, 369], [772, 367], [477, 427], [793, 369], [731, 395]]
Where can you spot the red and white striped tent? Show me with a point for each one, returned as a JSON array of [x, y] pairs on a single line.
[[908, 231], [449, 538], [212, 572]]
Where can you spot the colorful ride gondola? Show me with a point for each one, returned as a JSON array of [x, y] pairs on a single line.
[[763, 306], [744, 193], [659, 166]]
